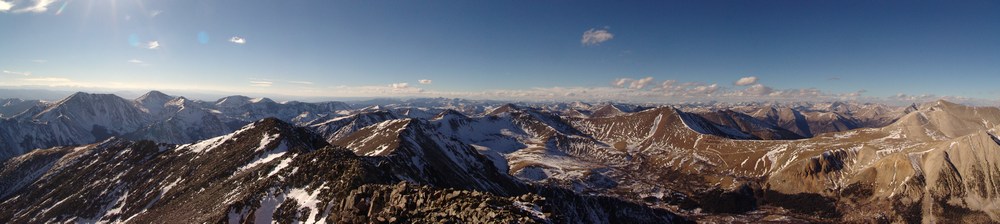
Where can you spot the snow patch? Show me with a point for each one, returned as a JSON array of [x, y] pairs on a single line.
[[270, 155], [268, 204], [266, 139], [308, 200], [284, 163], [532, 209], [895, 134], [167, 188], [207, 145]]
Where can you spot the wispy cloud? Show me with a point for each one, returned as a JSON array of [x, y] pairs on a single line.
[[596, 36], [155, 13], [40, 6], [5, 6], [620, 82], [641, 83], [906, 97], [746, 81], [672, 88], [138, 62], [261, 83], [153, 45], [301, 82], [47, 79], [632, 83], [238, 40], [425, 81], [401, 85], [16, 73]]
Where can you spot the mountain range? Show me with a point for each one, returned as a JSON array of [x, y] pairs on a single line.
[[103, 158]]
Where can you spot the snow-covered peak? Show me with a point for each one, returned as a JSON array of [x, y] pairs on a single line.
[[153, 101], [232, 101], [180, 102], [450, 114], [607, 110], [79, 98], [106, 112], [262, 132], [154, 96], [506, 108], [261, 100]]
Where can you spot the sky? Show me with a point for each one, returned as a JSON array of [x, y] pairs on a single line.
[[655, 51]]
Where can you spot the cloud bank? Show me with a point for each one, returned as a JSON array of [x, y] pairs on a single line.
[[16, 73]]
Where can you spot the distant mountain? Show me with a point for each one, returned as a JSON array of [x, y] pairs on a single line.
[[84, 118], [13, 107], [463, 105], [180, 120], [612, 109], [759, 129], [340, 127], [153, 102]]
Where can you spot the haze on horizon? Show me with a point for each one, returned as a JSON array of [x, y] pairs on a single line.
[[651, 51]]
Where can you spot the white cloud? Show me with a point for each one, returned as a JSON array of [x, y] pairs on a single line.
[[138, 62], [5, 6], [425, 81], [153, 45], [746, 81], [668, 83], [632, 83], [401, 85], [641, 83], [924, 98], [596, 36], [47, 79], [671, 88], [40, 6], [237, 40], [261, 83], [704, 89], [620, 82], [155, 13], [301, 82], [16, 73]]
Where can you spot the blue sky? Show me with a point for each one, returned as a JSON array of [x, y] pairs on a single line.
[[655, 50]]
